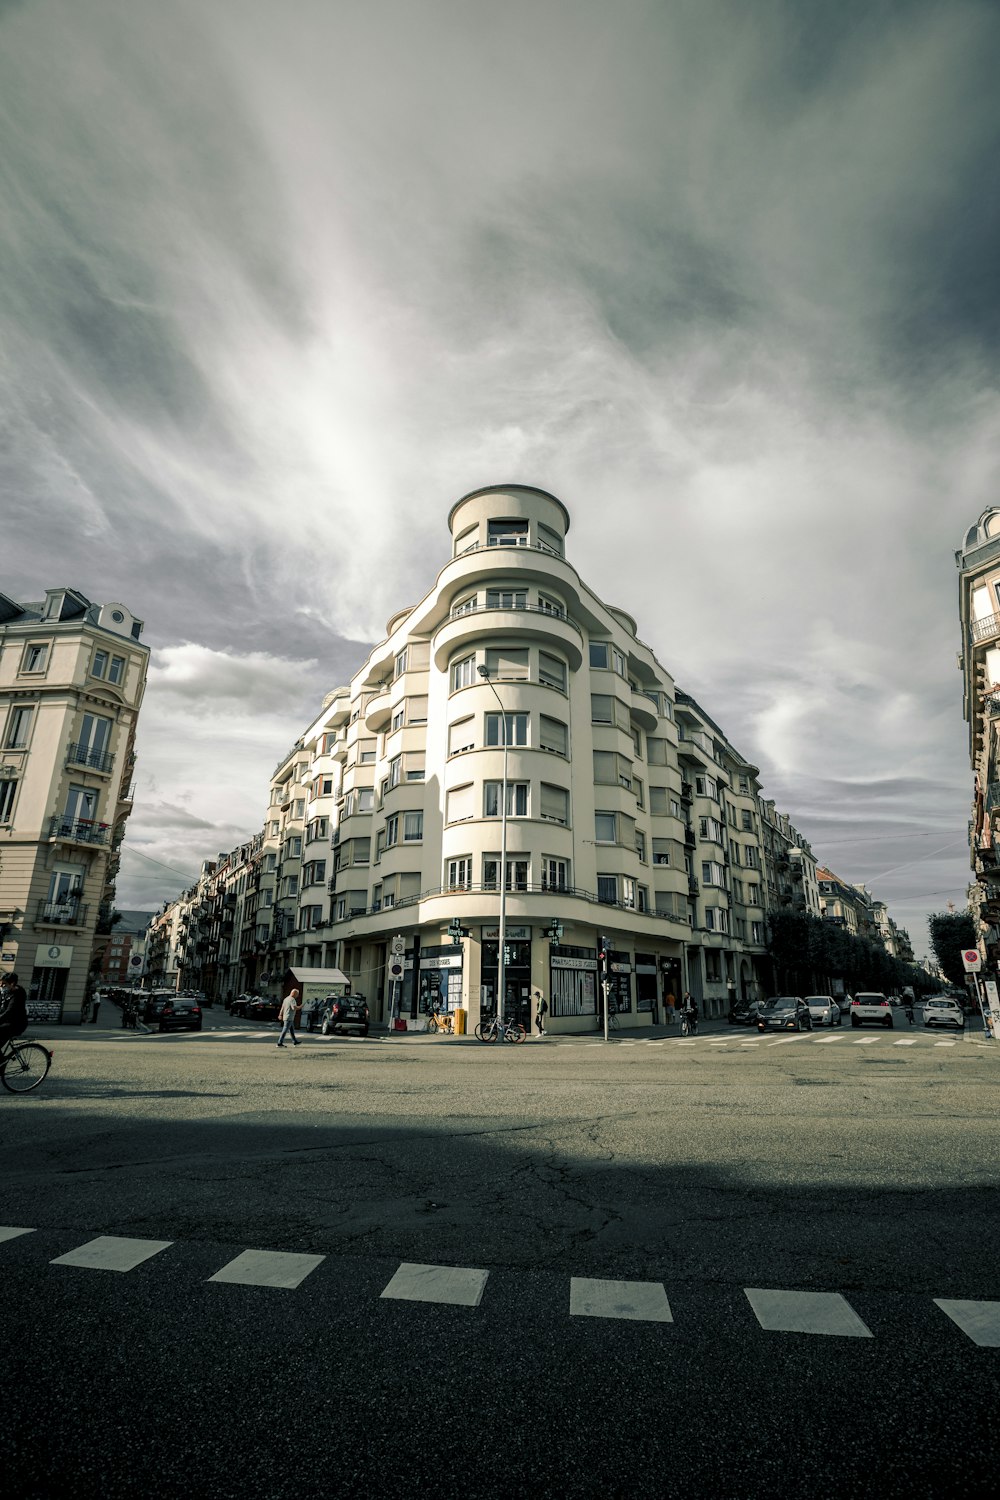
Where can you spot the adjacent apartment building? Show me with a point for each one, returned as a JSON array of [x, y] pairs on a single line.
[[72, 675], [978, 562]]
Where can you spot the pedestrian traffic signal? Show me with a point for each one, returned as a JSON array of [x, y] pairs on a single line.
[[602, 950]]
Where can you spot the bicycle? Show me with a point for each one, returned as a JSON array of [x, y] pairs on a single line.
[[23, 1065], [438, 1022], [488, 1030], [689, 1023]]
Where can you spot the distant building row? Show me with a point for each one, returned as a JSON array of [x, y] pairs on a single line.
[[510, 703]]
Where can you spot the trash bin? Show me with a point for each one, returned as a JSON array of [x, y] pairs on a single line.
[[460, 1019]]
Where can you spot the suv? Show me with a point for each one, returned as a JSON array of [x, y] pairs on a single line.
[[183, 1013], [883, 1010], [345, 1010]]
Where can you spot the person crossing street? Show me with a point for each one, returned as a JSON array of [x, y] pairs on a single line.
[[286, 1015]]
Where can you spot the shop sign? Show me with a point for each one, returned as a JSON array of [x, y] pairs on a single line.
[[54, 957], [442, 961], [514, 934], [645, 968], [9, 958], [559, 962], [620, 968]]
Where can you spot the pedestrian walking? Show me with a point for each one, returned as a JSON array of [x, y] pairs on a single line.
[[286, 1015], [95, 1006], [541, 1011], [670, 1006]]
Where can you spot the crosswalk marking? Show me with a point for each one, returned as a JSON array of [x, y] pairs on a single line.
[[910, 1042], [8, 1232], [783, 1041], [980, 1320], [450, 1284], [278, 1268], [111, 1252], [806, 1312], [824, 1041], [867, 1041], [946, 1044], [640, 1301]]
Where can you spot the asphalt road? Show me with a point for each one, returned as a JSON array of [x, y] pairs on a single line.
[[863, 1166]]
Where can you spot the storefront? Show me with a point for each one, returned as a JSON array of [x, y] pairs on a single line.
[[49, 977], [573, 985], [440, 979], [517, 973], [620, 982]]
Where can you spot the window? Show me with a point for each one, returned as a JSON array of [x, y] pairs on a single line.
[[607, 889], [661, 851], [551, 670], [398, 719], [656, 751], [507, 663], [116, 671], [604, 766], [395, 770], [640, 791], [753, 894], [710, 828], [599, 654], [99, 664], [517, 873], [706, 786], [8, 792], [605, 828], [628, 891], [555, 874], [756, 932], [506, 598], [517, 799], [602, 708], [751, 857], [640, 844], [747, 821], [642, 898], [516, 729], [366, 752], [458, 874], [712, 873], [270, 861], [399, 664], [466, 606], [391, 831], [34, 658], [744, 785], [553, 735], [18, 729], [298, 808], [463, 673], [659, 802], [461, 804], [636, 741], [618, 662], [416, 710], [734, 851], [467, 540], [413, 827], [294, 848], [501, 533], [553, 803], [549, 540], [462, 736], [550, 606]]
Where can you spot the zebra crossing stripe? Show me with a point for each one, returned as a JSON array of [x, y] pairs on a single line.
[[640, 1301], [867, 1041], [980, 1320], [806, 1312], [111, 1252], [278, 1268], [912, 1042], [8, 1232], [454, 1285]]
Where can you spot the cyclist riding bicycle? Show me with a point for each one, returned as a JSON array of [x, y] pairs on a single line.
[[13, 1009], [689, 1013]]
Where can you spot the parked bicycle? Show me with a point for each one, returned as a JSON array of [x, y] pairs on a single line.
[[488, 1030], [23, 1065], [440, 1021]]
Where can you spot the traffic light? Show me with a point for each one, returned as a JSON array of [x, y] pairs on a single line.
[[602, 951]]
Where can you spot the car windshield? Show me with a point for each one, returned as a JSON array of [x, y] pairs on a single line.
[[940, 1004], [781, 1002], [819, 1000]]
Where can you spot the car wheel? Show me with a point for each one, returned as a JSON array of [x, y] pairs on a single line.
[[854, 1021], [161, 1027], [364, 1031], [326, 1028], [889, 1023]]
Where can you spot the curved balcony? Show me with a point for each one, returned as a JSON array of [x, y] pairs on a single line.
[[379, 712], [529, 564], [644, 712], [530, 623]]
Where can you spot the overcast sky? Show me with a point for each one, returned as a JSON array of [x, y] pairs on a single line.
[[281, 279]]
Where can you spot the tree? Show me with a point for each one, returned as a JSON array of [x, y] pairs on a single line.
[[951, 932]]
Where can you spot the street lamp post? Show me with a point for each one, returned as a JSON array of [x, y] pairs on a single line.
[[502, 945]]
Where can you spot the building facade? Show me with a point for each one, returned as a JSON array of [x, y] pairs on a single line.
[[72, 676]]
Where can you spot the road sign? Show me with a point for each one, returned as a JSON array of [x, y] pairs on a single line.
[[971, 961], [396, 968], [397, 945]]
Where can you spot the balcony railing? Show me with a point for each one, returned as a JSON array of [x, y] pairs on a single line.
[[983, 629], [516, 888], [94, 760], [80, 830], [69, 913]]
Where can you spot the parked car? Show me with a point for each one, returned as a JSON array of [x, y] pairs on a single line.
[[785, 1013], [345, 1010], [941, 1010], [745, 1012], [241, 1005], [882, 1010], [154, 1003], [824, 1010], [182, 1013]]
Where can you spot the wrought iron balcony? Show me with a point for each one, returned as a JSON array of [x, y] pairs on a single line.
[[983, 629], [94, 760], [71, 912], [79, 830]]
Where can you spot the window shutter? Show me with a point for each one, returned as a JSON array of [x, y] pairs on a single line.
[[554, 803], [461, 804]]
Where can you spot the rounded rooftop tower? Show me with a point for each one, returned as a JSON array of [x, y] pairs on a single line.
[[506, 515]]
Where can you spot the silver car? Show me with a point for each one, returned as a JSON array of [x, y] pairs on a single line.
[[824, 1010]]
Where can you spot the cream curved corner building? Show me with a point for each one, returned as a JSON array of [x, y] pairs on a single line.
[[72, 676], [620, 798]]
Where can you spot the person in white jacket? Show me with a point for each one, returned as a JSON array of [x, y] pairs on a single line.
[[290, 1008]]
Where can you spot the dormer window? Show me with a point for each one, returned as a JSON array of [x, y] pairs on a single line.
[[503, 533]]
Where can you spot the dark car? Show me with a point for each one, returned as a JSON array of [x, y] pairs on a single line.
[[262, 1008], [154, 1003], [345, 1010], [785, 1013], [745, 1012], [180, 1014], [241, 1005]]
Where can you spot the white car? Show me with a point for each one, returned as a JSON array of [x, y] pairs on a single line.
[[941, 1010], [882, 1010], [824, 1010]]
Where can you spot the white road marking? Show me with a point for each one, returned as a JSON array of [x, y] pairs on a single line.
[[8, 1232], [111, 1252], [806, 1312], [824, 1041], [685, 1044], [784, 1040], [980, 1320], [911, 1043], [946, 1044], [278, 1268], [749, 1044], [641, 1301], [867, 1041], [450, 1284]]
